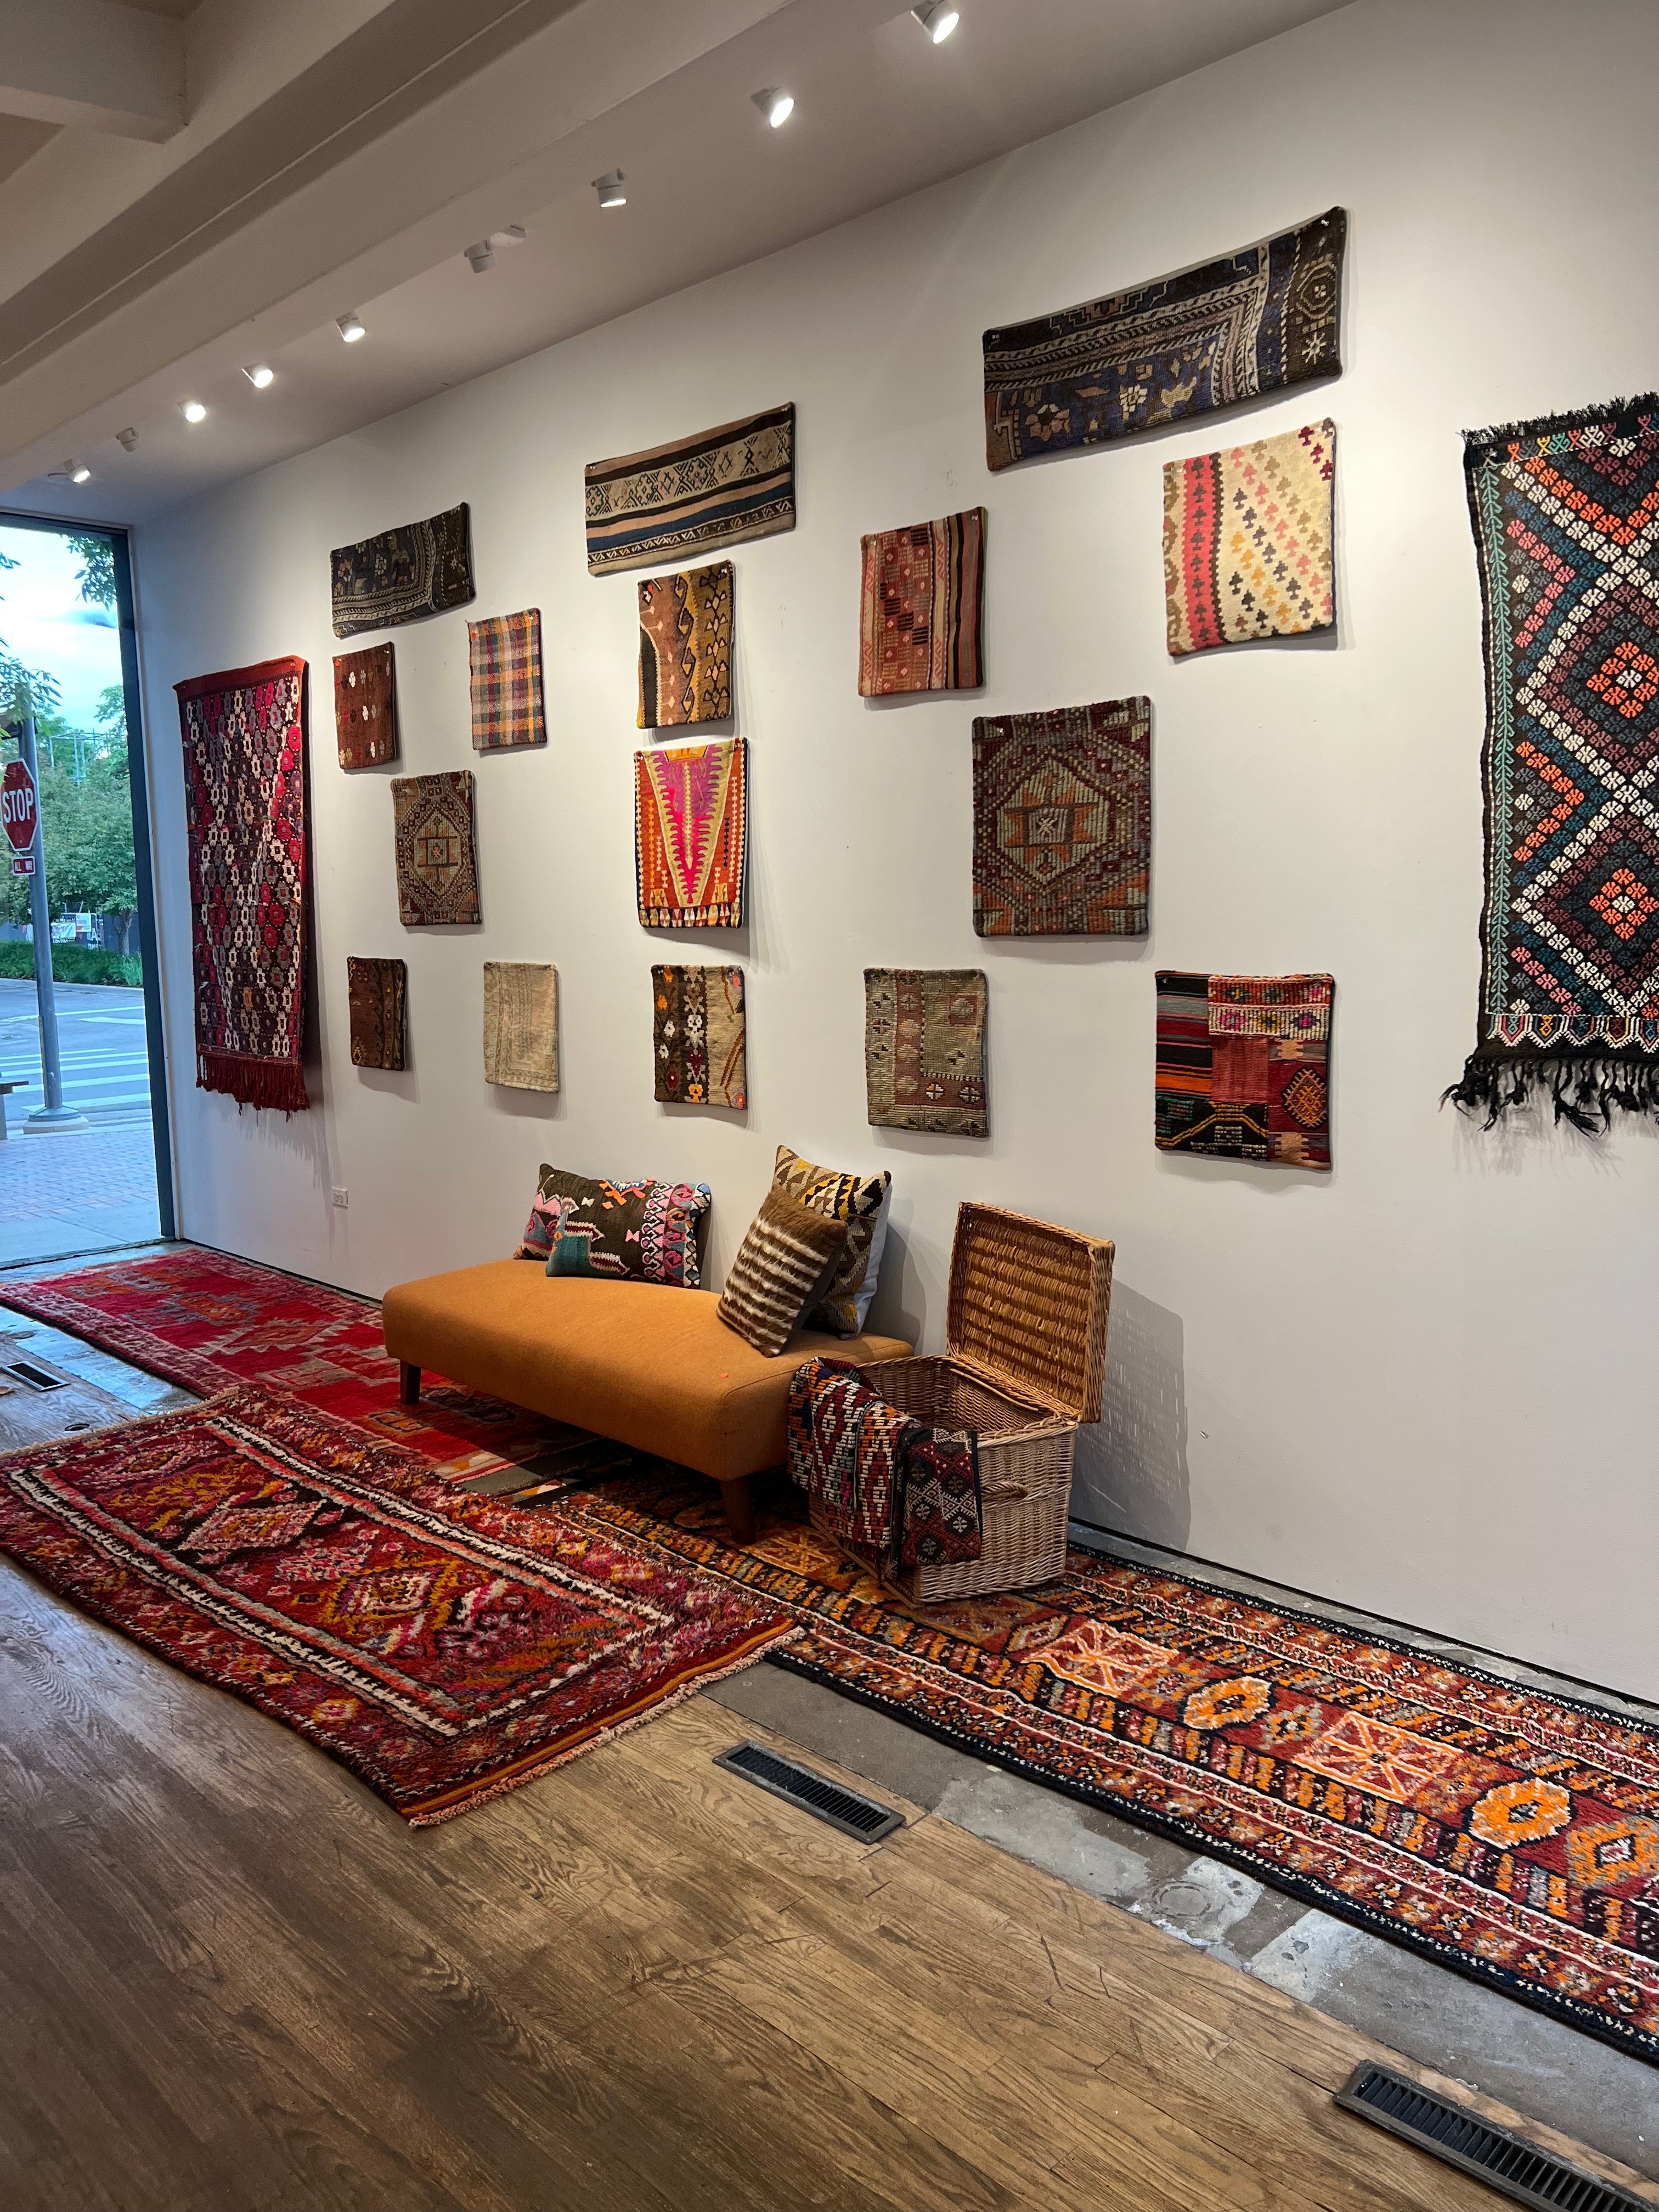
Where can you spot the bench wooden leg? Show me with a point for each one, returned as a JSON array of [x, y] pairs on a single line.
[[739, 1500], [410, 1389]]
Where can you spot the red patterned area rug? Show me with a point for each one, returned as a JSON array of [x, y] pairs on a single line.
[[444, 1648], [206, 1321], [1507, 1833]]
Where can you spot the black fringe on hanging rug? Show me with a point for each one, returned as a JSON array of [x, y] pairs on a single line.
[[1565, 512]]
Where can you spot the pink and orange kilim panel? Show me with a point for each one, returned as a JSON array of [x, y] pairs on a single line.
[[690, 826]]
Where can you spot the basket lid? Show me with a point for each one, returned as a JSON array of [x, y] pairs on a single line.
[[1028, 1305]]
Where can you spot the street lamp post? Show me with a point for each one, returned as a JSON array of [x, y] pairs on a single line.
[[54, 1115]]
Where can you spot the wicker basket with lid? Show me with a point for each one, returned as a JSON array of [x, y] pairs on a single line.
[[1025, 1338]]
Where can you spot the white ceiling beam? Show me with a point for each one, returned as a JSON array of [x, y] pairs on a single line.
[[120, 70]]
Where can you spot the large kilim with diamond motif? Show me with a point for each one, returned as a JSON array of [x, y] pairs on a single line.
[[1566, 531], [245, 828], [1062, 821], [1508, 1834], [445, 1647]]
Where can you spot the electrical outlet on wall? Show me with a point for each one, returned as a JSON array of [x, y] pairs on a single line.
[[340, 1198]]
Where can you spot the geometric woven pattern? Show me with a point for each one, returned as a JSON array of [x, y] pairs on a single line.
[[1507, 1833], [685, 647], [365, 706], [1247, 541], [923, 613], [375, 992], [437, 865], [1249, 322], [1566, 526], [419, 568], [505, 652], [1062, 821], [924, 1049], [245, 828], [718, 489], [443, 1647], [699, 1036], [1243, 1067], [690, 835]]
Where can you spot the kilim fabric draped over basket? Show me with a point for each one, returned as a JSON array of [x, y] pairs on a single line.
[[718, 489], [1565, 512], [924, 1049], [922, 608], [505, 656], [699, 1036], [685, 647], [1249, 323], [376, 990], [437, 864], [365, 706], [1024, 1362], [1063, 820], [1242, 1067], [521, 1024], [418, 569], [692, 835], [892, 1491], [1247, 541], [245, 827]]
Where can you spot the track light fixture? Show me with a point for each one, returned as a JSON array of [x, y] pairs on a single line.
[[351, 327], [259, 375], [776, 105], [78, 472], [192, 411], [127, 440], [937, 20], [483, 255], [610, 189]]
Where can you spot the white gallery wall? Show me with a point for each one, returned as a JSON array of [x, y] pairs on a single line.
[[1421, 1383]]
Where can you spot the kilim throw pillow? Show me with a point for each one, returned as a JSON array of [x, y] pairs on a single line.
[[584, 1225], [860, 1202], [788, 1251]]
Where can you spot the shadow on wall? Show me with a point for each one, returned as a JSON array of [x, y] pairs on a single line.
[[1132, 1463]]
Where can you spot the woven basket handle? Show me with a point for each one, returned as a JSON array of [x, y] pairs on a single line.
[[1003, 1494]]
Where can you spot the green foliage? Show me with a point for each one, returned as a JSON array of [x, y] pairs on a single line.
[[74, 963], [87, 829], [97, 576], [33, 683]]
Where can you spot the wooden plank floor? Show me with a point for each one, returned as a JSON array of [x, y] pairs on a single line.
[[230, 1979]]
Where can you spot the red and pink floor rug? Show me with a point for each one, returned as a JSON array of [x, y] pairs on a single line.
[[1507, 1832]]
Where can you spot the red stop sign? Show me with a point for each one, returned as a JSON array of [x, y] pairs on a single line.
[[19, 809]]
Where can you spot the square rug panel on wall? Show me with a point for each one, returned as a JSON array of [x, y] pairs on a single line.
[[922, 607], [365, 706], [521, 1024], [1247, 543], [504, 654], [691, 835], [924, 1049], [719, 488], [1243, 1067], [685, 647], [699, 1036], [375, 994], [437, 858], [1249, 323], [1062, 821], [419, 568]]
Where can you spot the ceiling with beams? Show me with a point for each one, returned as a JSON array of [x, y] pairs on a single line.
[[266, 167]]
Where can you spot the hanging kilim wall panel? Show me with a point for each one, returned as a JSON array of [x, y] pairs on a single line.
[[1566, 531], [245, 825], [734, 483], [924, 1049], [375, 994], [437, 862], [699, 1036], [1247, 541], [685, 647], [365, 706], [1243, 1067], [521, 1024], [1062, 821], [1252, 322], [922, 607], [690, 835], [419, 568], [505, 655]]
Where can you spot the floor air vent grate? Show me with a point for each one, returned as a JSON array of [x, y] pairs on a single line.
[[38, 1378], [814, 1793], [1506, 2161]]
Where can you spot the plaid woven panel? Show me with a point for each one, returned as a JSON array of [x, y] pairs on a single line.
[[505, 652]]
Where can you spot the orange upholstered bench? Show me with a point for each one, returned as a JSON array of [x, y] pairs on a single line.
[[648, 1366]]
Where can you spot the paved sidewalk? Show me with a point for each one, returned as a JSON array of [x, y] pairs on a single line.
[[77, 1191]]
